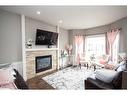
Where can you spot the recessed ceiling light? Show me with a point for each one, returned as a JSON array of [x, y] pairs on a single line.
[[60, 21], [38, 12]]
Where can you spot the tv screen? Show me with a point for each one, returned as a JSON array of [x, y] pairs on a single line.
[[44, 37]]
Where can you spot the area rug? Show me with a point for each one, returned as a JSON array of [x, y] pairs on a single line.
[[71, 78]]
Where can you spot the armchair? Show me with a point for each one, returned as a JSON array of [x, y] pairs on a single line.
[[84, 61]]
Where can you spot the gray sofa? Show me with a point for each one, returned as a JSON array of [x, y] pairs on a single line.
[[102, 83], [116, 83]]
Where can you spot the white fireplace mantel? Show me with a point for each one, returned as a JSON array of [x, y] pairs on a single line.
[[36, 49]]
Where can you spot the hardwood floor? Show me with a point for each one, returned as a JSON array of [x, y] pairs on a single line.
[[38, 83]]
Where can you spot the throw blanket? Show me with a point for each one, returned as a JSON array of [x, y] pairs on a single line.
[[10, 85]]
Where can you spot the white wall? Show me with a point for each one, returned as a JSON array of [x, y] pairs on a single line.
[[10, 37]]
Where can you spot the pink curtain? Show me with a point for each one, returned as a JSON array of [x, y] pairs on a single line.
[[110, 38], [79, 47]]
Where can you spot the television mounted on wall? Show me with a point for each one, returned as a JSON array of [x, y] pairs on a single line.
[[44, 37]]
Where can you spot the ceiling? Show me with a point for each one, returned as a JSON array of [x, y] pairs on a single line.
[[73, 17]]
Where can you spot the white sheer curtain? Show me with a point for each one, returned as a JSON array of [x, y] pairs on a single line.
[[115, 49], [113, 41], [78, 47]]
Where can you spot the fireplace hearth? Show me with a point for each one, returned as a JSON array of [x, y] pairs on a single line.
[[43, 63]]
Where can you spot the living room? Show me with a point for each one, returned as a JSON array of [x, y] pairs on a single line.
[[79, 35]]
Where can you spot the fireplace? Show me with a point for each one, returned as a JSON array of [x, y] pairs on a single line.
[[43, 63]]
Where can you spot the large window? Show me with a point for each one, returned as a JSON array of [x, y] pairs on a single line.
[[95, 44]]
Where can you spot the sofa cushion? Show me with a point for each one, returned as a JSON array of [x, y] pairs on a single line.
[[106, 75]]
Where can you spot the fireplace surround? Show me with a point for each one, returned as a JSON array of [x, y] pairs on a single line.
[[31, 62], [43, 63]]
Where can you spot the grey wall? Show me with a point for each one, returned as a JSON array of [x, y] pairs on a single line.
[[103, 29], [123, 34], [30, 29], [72, 33], [97, 30], [10, 34], [64, 38], [31, 25], [10, 37]]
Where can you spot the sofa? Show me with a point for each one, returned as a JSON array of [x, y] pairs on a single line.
[[10, 78], [110, 77], [94, 83], [106, 78]]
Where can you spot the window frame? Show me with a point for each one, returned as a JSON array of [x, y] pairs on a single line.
[[93, 36]]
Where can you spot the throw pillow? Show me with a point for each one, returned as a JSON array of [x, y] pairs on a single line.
[[110, 66], [106, 75], [122, 66], [102, 61], [122, 57], [7, 66], [5, 77]]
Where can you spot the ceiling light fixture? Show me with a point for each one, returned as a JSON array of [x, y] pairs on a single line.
[[38, 12], [60, 21]]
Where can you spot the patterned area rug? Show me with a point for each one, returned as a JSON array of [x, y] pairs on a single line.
[[71, 78]]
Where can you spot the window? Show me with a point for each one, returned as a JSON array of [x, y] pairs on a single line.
[[95, 44]]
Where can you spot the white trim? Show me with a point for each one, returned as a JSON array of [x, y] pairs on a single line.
[[23, 46], [36, 49], [58, 61], [95, 35]]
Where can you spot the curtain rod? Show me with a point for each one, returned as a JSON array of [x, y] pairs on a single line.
[[96, 33], [116, 28], [89, 34]]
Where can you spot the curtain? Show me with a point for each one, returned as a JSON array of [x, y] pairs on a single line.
[[78, 47], [107, 44], [110, 38]]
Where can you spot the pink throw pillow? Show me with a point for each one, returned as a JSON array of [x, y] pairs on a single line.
[[102, 61], [5, 77]]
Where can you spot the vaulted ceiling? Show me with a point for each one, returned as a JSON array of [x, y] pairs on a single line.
[[73, 17]]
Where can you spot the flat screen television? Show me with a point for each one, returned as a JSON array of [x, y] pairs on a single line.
[[44, 37]]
